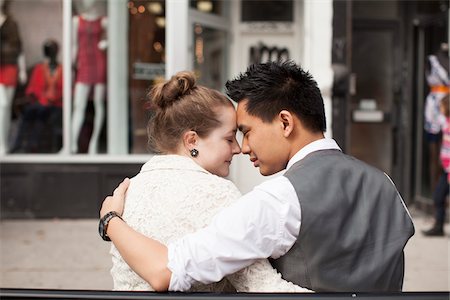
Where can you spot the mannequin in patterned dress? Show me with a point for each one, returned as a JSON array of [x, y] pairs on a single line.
[[89, 57]]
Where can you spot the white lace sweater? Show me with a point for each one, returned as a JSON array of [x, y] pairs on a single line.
[[173, 196]]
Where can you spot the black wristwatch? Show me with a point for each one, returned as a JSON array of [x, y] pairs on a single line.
[[103, 224]]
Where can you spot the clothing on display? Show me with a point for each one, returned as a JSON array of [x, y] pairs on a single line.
[[46, 85], [44, 114], [10, 49], [91, 60]]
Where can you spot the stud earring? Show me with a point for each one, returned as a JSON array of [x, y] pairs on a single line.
[[194, 152]]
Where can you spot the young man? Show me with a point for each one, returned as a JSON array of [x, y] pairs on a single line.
[[330, 223]]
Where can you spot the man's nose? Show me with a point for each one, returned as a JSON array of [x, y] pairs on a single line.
[[245, 148]]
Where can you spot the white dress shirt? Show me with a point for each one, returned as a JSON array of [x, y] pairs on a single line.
[[263, 223]]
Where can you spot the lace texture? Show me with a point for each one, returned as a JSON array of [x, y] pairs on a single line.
[[172, 196]]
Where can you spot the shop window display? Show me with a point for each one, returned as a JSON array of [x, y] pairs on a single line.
[[40, 125], [146, 64], [210, 56], [87, 117], [89, 45], [31, 93], [12, 69], [216, 7]]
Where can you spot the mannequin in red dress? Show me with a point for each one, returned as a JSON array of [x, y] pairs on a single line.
[[90, 60]]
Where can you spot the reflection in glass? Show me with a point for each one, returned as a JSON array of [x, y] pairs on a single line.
[[210, 56], [146, 63], [267, 11], [216, 7]]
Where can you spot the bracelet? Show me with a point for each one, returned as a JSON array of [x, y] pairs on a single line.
[[104, 222]]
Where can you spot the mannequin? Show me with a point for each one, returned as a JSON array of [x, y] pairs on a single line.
[[90, 59], [437, 75], [45, 88], [12, 67]]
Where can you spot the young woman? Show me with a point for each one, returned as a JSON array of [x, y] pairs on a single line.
[[193, 131], [442, 187]]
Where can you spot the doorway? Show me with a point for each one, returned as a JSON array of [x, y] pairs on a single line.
[[374, 94]]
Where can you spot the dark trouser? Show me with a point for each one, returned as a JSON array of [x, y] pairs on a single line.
[[31, 126], [439, 197]]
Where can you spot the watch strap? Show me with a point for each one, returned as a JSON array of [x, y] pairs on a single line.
[[104, 222]]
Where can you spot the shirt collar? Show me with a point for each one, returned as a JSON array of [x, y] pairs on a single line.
[[171, 162], [322, 144]]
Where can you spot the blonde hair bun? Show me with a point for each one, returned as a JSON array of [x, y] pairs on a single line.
[[165, 94]]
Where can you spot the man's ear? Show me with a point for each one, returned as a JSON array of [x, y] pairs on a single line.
[[190, 139], [287, 122]]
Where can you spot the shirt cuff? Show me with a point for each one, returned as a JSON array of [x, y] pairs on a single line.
[[179, 280]]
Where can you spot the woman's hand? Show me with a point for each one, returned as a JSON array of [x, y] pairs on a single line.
[[116, 202]]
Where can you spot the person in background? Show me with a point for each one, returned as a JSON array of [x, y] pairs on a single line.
[[437, 76], [442, 188]]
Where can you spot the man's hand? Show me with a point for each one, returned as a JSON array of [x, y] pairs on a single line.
[[116, 202]]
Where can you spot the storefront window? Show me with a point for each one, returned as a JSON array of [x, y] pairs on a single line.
[[210, 56], [43, 116], [89, 59], [147, 59], [216, 7], [31, 80], [267, 11]]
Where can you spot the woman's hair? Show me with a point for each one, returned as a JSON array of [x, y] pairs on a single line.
[[181, 105]]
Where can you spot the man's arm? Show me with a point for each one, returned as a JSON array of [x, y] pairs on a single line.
[[147, 257], [263, 223]]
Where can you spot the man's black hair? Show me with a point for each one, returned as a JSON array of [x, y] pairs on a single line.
[[275, 86]]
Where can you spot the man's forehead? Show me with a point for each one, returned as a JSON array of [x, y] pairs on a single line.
[[241, 116]]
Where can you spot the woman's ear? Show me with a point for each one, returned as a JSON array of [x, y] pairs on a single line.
[[287, 122], [190, 139]]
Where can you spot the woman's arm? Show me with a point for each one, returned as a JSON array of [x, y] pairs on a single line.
[[152, 268]]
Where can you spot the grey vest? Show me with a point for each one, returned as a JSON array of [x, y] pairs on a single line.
[[353, 227]]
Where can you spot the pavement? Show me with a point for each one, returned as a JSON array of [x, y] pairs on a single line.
[[69, 254]]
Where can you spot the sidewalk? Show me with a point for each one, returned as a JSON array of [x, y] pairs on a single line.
[[69, 254]]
